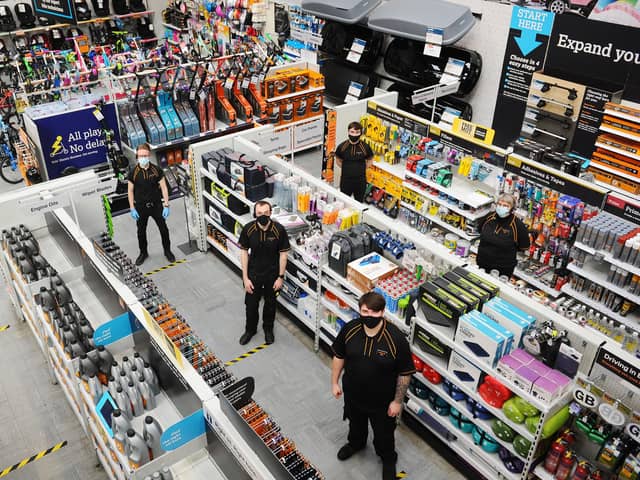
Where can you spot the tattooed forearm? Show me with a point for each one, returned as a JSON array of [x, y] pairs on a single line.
[[401, 387]]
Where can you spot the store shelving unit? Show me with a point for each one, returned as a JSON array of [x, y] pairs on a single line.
[[599, 276], [536, 282]]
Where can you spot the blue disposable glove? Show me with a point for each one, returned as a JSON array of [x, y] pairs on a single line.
[[134, 214], [165, 212]]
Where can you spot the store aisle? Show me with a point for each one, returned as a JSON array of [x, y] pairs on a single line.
[[34, 413], [292, 381]]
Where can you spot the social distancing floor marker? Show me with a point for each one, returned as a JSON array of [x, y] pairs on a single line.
[[2, 329], [246, 355], [166, 267], [33, 458], [402, 474]]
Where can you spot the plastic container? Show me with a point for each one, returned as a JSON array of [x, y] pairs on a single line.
[[451, 241], [120, 425], [151, 432], [137, 450], [463, 248]]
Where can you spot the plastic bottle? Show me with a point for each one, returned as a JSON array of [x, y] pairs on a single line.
[[86, 366], [126, 365], [115, 370], [123, 402], [134, 374], [74, 349], [156, 476], [124, 379], [151, 378], [138, 361], [105, 359], [166, 474], [94, 387], [120, 425], [148, 398], [112, 386], [151, 432], [47, 301], [86, 330], [26, 268], [133, 393], [63, 295], [137, 450]]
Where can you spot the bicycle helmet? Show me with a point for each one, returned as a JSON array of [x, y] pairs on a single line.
[[7, 22], [58, 41], [44, 21], [101, 7], [83, 12], [137, 6]]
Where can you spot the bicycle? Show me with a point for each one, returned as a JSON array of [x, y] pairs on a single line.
[[9, 170]]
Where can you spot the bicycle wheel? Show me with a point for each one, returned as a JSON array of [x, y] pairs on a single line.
[[8, 173]]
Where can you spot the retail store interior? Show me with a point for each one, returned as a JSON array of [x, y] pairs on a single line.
[[475, 163]]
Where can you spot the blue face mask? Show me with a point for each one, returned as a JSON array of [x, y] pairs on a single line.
[[502, 211], [143, 161]]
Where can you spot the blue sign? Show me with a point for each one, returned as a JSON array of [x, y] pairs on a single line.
[[184, 431], [74, 139], [120, 327], [530, 23]]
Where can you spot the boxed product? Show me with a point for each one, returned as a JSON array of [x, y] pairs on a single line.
[[470, 300], [524, 357], [559, 379], [438, 306], [499, 329], [464, 370], [483, 343], [316, 79], [545, 389], [429, 343], [286, 111], [300, 107], [507, 366], [472, 288], [540, 368], [525, 378], [515, 320], [365, 272], [477, 280]]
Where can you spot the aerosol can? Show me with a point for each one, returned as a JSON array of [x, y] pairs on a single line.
[[120, 425], [151, 432]]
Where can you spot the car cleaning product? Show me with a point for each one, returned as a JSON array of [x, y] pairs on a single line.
[[137, 450], [148, 398], [123, 402], [151, 378], [136, 400], [166, 474], [120, 425], [138, 361], [151, 432]]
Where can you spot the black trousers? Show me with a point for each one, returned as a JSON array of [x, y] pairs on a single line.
[[383, 427], [355, 186], [154, 211], [262, 287]]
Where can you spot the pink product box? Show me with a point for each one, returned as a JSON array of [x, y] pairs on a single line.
[[540, 368], [524, 378], [522, 356], [507, 366], [559, 379], [545, 389]]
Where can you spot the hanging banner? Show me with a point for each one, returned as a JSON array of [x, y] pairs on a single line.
[[524, 55], [74, 139], [619, 367], [329, 146], [184, 431], [623, 208]]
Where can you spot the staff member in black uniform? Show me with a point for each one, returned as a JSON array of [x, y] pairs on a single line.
[[264, 243], [377, 364], [354, 157], [149, 197], [502, 234]]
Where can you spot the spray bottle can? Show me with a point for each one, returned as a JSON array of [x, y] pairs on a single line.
[[151, 432]]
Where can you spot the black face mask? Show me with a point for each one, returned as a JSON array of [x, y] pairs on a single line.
[[263, 220], [369, 321], [354, 138]]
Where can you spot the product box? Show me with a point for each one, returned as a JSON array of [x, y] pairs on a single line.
[[286, 111], [429, 343], [316, 79], [300, 107], [464, 370], [540, 368], [438, 306], [316, 101], [524, 357], [545, 390], [512, 318], [468, 286], [507, 367], [559, 379], [525, 378], [470, 300], [365, 275], [477, 280], [483, 343], [499, 329]]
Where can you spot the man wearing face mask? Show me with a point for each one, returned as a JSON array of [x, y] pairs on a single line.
[[377, 365], [264, 245], [149, 197], [502, 234], [354, 156]]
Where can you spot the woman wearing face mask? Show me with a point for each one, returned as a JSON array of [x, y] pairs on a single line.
[[354, 156], [502, 234]]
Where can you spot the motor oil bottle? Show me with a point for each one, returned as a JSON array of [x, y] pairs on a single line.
[[26, 268], [138, 361], [86, 330], [47, 302], [74, 349], [151, 378], [112, 386], [134, 373], [86, 366], [124, 379], [133, 393], [148, 398], [137, 450], [156, 476], [115, 370], [63, 295], [120, 425], [126, 365], [166, 474], [94, 387], [151, 432], [123, 402], [105, 360], [93, 356]]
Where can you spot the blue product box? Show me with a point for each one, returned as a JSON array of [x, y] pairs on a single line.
[[483, 343], [509, 316]]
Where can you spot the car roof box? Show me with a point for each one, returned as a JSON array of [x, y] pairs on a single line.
[[411, 18], [345, 11]]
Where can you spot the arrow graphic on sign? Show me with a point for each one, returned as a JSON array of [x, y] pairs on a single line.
[[527, 42]]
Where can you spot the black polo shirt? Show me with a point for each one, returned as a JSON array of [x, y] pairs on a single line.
[[372, 364], [500, 240], [354, 158], [146, 184], [264, 247]]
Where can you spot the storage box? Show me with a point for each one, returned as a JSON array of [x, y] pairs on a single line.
[[483, 344], [465, 371], [499, 329], [540, 368], [507, 366], [545, 390], [316, 79], [365, 277], [512, 318], [525, 378], [438, 306], [477, 280], [524, 357]]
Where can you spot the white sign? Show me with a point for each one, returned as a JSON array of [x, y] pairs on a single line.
[[434, 35], [308, 133], [100, 189], [275, 142], [429, 93], [358, 45], [353, 56], [585, 398], [432, 50], [355, 89], [35, 207], [633, 430], [350, 98], [454, 66]]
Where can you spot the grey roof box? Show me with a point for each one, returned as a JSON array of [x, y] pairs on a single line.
[[345, 11], [411, 18]]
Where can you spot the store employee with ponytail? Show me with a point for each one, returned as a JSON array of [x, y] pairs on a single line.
[[264, 244], [502, 234], [377, 364], [354, 156]]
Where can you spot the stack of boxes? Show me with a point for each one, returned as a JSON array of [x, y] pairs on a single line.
[[293, 83]]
